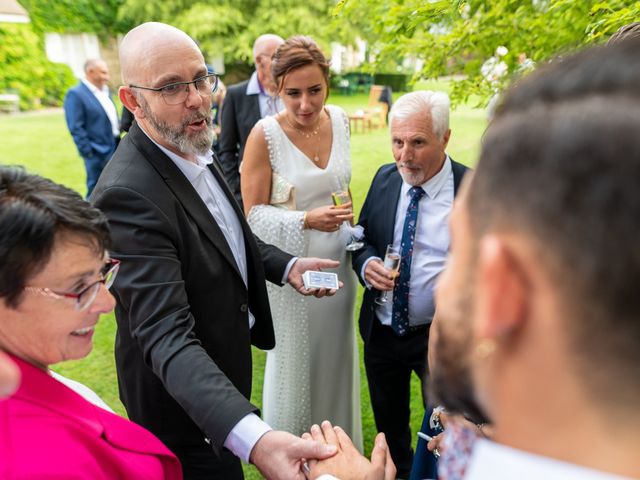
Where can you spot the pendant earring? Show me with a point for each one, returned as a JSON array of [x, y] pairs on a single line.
[[485, 347]]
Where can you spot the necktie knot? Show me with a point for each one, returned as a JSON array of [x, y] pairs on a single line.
[[416, 193]]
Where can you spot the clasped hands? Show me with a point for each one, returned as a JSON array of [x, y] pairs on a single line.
[[348, 463], [326, 450]]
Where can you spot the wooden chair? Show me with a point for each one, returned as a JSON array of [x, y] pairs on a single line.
[[376, 109]]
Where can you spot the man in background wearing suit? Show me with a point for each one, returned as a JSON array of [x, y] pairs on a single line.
[[408, 205], [191, 294], [246, 103], [92, 119]]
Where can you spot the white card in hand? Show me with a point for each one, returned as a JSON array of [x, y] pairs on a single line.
[[313, 279]]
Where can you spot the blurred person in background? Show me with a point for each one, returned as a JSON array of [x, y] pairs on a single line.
[[246, 103], [92, 119]]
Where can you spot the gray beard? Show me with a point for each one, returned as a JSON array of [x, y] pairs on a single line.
[[198, 144]]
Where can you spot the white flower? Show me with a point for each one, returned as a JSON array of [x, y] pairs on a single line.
[[501, 51]]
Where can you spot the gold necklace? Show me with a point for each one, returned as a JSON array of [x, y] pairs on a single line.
[[313, 133], [316, 157]]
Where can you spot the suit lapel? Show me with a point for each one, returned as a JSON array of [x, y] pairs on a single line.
[[392, 197], [40, 388], [94, 101], [252, 105], [185, 193]]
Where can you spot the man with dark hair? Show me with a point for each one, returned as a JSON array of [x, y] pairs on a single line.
[[626, 32], [191, 293], [92, 119], [246, 103], [538, 309]]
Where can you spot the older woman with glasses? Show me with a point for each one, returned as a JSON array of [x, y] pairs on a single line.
[[55, 273]]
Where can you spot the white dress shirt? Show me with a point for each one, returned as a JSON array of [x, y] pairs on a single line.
[[493, 461], [268, 105], [498, 462], [430, 247], [107, 105]]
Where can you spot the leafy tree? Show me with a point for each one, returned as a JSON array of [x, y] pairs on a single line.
[[231, 26], [75, 16], [459, 36], [26, 70]]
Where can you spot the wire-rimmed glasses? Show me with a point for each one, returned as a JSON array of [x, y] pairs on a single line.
[[176, 93], [85, 297]]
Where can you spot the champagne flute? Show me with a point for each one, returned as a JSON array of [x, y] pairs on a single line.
[[391, 262], [340, 195]]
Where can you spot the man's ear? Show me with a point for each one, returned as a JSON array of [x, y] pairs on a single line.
[[503, 289], [129, 100], [445, 138]]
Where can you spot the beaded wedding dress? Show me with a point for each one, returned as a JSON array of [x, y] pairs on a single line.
[[313, 372]]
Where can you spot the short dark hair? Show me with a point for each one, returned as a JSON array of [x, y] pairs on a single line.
[[297, 52], [34, 212], [624, 33], [560, 163]]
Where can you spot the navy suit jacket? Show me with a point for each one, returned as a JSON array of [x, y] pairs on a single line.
[[378, 218], [88, 123]]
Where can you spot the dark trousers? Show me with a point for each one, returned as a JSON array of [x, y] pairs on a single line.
[[390, 361], [200, 463]]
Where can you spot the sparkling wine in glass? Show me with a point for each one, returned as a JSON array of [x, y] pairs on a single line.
[[391, 262], [340, 195]]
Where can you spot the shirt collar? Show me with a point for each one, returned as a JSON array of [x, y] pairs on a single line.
[[433, 186], [499, 462], [188, 169], [253, 87], [93, 88]]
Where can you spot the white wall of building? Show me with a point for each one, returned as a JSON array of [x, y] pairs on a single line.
[[72, 49]]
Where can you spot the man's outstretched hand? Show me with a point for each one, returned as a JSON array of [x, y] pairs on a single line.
[[348, 463], [303, 264], [279, 455]]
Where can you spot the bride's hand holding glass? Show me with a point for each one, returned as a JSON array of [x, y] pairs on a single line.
[[328, 218]]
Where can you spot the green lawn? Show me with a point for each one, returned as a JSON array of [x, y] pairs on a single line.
[[40, 142]]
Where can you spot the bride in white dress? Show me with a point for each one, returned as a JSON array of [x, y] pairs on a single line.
[[289, 169]]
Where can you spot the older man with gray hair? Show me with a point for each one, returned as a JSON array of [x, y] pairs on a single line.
[[407, 206], [246, 103]]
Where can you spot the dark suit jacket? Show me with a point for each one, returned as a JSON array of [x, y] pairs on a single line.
[[88, 123], [240, 112], [183, 342], [378, 216]]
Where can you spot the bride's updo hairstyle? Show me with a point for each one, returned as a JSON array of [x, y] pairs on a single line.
[[297, 52]]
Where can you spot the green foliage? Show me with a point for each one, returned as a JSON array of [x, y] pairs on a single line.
[[459, 36], [26, 70], [74, 16], [231, 26]]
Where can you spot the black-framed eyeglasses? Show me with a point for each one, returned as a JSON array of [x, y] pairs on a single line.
[[176, 93], [85, 298]]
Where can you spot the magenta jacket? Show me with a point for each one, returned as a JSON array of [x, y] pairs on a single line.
[[49, 431]]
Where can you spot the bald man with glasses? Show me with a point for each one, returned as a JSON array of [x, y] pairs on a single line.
[[191, 294]]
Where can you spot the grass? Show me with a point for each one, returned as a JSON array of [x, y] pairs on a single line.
[[40, 141]]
